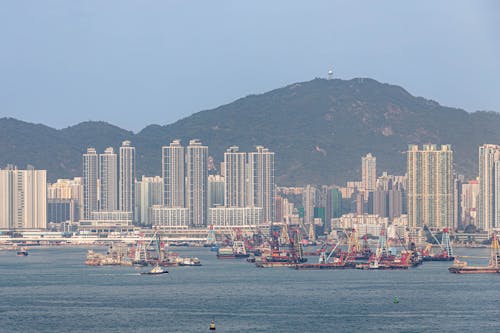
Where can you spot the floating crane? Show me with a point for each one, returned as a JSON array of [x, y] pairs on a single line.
[[446, 253]]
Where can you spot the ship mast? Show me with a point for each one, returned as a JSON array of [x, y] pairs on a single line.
[[494, 251]]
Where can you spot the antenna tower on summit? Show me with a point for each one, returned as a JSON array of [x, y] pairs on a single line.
[[330, 74]]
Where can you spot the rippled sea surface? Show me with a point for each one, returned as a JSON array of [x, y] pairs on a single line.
[[52, 290]]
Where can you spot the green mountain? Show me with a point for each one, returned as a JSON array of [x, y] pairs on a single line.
[[319, 130]]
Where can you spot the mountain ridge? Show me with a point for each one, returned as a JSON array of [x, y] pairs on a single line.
[[319, 130]]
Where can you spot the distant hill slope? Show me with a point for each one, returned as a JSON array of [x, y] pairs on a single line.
[[318, 129]]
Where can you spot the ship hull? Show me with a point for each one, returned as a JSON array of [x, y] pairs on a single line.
[[321, 266], [190, 264], [474, 270], [427, 258], [381, 267], [150, 273], [274, 264], [232, 256]]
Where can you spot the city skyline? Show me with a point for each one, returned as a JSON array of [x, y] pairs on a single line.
[[430, 169], [181, 197]]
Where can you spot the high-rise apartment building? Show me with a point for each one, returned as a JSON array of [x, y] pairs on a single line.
[[127, 177], [23, 199], [457, 197], [278, 209], [90, 176], [369, 172], [261, 181], [64, 200], [333, 207], [489, 155], [149, 193], [215, 194], [395, 203], [173, 174], [470, 202], [197, 183], [108, 176], [430, 186], [309, 202], [235, 177], [380, 203]]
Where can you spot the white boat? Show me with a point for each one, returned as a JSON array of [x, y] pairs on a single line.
[[191, 261]]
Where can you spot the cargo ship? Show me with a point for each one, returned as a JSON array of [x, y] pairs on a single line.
[[461, 267], [237, 251]]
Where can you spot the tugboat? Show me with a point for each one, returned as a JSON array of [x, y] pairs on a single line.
[[22, 252], [156, 270]]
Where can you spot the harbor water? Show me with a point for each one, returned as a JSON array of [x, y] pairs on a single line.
[[52, 290]]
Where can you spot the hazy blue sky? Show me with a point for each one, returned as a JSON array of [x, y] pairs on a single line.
[[133, 63]]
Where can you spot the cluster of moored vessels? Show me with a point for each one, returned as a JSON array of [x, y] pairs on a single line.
[[151, 252], [285, 249]]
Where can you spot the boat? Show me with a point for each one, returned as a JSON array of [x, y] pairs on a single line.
[[140, 263], [156, 270], [191, 261], [8, 246], [237, 251], [286, 250], [439, 257], [330, 265], [462, 267], [267, 264], [116, 256], [375, 265], [22, 252], [446, 253], [93, 258]]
